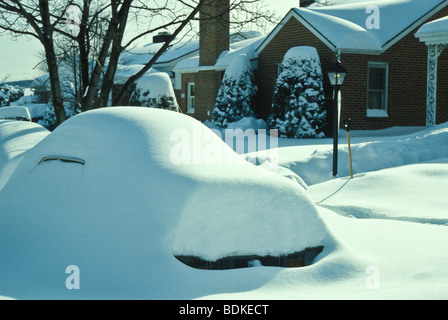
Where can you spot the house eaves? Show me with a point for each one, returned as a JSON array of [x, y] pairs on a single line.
[[244, 47], [337, 34], [343, 27], [415, 24], [435, 32]]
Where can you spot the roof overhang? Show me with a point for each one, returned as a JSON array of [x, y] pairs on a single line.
[[415, 25], [434, 38], [435, 32], [332, 46], [293, 14], [337, 48]]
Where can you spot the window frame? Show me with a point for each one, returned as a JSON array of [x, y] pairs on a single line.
[[383, 111], [190, 97]]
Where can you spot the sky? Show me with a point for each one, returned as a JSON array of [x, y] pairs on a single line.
[[18, 58]]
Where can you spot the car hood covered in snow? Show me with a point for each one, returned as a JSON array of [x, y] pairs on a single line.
[[135, 187]]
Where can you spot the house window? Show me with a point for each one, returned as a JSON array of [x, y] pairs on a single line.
[[279, 69], [190, 97], [377, 87]]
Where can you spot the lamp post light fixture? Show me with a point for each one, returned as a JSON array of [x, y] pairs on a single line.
[[336, 74]]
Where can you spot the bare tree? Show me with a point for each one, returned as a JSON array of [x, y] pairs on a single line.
[[98, 32], [241, 13], [34, 18]]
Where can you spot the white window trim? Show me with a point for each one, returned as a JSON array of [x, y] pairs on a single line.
[[190, 109], [378, 113], [279, 69]]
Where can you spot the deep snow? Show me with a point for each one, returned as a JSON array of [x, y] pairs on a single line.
[[140, 198], [385, 231]]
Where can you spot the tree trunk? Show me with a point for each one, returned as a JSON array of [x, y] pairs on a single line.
[[46, 38], [108, 79], [83, 48]]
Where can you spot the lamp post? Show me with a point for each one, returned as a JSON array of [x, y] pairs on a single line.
[[336, 74]]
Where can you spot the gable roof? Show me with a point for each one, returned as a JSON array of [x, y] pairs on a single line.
[[342, 27], [244, 47], [177, 52]]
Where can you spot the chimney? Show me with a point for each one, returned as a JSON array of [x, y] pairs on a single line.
[[161, 37], [306, 3], [214, 30]]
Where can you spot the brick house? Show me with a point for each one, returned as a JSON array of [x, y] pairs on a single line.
[[386, 82], [387, 64]]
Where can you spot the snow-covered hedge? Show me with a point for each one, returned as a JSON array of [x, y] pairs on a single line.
[[10, 94], [298, 101], [155, 90], [236, 96]]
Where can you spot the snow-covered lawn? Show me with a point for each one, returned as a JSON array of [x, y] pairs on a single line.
[[143, 195]]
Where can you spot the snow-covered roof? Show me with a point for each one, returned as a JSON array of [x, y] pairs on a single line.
[[142, 54], [245, 47], [435, 32], [344, 26], [180, 51], [124, 72], [41, 82]]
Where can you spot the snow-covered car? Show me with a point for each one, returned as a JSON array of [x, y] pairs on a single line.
[[19, 113], [120, 192], [16, 137]]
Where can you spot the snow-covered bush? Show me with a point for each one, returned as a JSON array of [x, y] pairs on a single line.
[[154, 91], [236, 96], [298, 101], [9, 94]]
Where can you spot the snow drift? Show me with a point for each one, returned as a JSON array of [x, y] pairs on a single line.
[[377, 154], [121, 214]]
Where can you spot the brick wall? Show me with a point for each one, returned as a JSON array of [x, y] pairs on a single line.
[[407, 61], [292, 34], [213, 40], [207, 86], [181, 94]]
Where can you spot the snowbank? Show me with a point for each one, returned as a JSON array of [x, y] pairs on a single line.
[[314, 163], [248, 123], [139, 198], [122, 215], [423, 181]]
